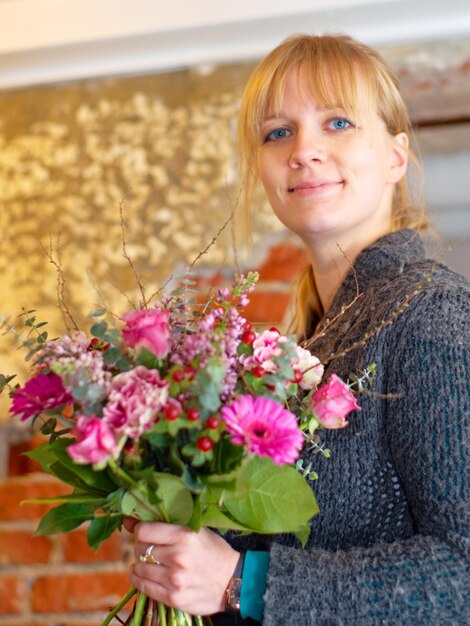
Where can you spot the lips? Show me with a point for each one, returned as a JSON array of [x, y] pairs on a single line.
[[317, 184]]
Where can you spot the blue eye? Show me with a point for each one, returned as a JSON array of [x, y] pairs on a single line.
[[340, 123], [277, 134]]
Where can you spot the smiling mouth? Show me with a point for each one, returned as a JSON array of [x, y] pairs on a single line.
[[321, 185]]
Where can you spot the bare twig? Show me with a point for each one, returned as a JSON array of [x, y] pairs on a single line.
[[198, 256], [57, 263], [140, 283]]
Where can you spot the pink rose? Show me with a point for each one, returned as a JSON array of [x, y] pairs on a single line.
[[309, 366], [265, 350], [95, 441], [148, 329], [332, 402]]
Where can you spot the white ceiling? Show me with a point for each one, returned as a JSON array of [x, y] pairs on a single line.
[[48, 41], [43, 41]]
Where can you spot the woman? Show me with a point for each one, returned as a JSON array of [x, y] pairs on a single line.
[[325, 130]]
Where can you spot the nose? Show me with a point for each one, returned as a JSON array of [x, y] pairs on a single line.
[[306, 148]]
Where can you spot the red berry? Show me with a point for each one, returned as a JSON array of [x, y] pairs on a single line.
[[178, 376], [192, 414], [298, 375], [190, 372], [204, 444], [213, 423], [248, 337], [258, 371], [247, 326], [94, 343], [271, 387], [273, 329], [172, 412]]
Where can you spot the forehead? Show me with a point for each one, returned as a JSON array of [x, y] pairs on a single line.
[[326, 87]]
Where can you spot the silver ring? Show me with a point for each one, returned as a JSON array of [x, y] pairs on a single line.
[[148, 556]]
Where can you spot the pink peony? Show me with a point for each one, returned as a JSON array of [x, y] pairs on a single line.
[[41, 393], [148, 329], [265, 427], [135, 399], [332, 402], [309, 366], [95, 441]]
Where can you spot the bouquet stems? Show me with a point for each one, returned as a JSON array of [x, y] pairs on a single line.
[[148, 612]]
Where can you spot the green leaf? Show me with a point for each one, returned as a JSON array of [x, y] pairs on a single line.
[[176, 499], [148, 359], [214, 518], [98, 312], [54, 459], [271, 498], [48, 427], [78, 498], [63, 519], [101, 528], [98, 330]]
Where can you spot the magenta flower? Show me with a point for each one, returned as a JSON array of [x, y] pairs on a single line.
[[95, 441], [265, 427], [41, 393], [148, 329], [135, 399], [332, 402]]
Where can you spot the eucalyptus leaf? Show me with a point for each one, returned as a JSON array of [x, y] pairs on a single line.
[[63, 519], [271, 498]]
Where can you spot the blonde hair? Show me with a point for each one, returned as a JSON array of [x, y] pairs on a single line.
[[334, 64]]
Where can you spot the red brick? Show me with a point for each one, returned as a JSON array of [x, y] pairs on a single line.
[[21, 547], [78, 592], [13, 594], [284, 261], [13, 491], [18, 464], [267, 308], [77, 550]]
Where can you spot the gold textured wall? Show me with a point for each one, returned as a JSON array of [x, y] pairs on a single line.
[[68, 156]]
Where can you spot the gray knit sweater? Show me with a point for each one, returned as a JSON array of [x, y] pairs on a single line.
[[391, 543]]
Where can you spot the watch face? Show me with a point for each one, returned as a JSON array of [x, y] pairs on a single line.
[[233, 594]]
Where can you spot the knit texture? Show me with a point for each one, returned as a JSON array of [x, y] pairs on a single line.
[[391, 544]]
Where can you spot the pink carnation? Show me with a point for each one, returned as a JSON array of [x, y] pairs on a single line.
[[41, 393], [148, 329], [265, 427], [265, 349], [135, 399], [95, 441], [309, 366], [332, 402]]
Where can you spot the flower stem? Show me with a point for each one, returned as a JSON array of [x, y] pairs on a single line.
[[139, 610], [125, 599], [162, 614]]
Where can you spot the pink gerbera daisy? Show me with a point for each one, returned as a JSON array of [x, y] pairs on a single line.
[[265, 427], [41, 393]]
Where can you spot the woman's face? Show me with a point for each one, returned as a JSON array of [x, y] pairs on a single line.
[[327, 175]]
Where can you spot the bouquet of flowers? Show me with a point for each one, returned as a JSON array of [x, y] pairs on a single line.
[[181, 413]]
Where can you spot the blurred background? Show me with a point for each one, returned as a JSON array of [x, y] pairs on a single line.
[[119, 105]]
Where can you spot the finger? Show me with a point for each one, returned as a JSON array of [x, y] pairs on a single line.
[[160, 533]]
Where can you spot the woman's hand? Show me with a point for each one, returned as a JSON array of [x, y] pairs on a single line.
[[194, 568]]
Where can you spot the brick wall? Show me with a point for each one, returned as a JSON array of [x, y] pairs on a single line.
[[59, 580]]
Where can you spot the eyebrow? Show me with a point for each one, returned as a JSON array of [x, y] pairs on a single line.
[[275, 116]]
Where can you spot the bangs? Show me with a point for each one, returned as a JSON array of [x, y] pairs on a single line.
[[338, 77]]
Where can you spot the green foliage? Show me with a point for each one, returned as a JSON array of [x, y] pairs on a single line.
[[64, 518], [102, 527], [271, 498], [208, 385]]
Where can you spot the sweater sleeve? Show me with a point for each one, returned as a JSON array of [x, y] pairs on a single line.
[[423, 579]]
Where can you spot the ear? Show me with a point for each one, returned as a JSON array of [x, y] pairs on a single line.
[[398, 157]]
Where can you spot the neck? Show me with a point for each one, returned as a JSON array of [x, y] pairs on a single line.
[[332, 259]]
